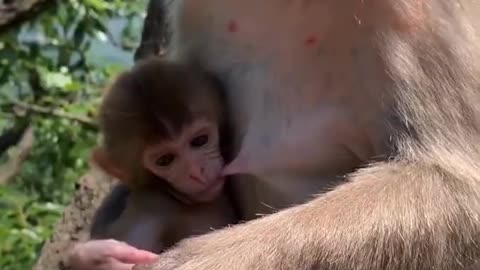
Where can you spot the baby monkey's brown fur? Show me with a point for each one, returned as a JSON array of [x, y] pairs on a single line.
[[152, 102], [161, 123]]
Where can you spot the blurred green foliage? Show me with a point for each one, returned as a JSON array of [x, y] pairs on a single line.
[[60, 60]]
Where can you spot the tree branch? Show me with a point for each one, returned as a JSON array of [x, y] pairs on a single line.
[[19, 10], [54, 112], [155, 33], [13, 165], [12, 136], [74, 225]]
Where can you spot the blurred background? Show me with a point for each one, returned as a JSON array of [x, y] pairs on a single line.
[[55, 59]]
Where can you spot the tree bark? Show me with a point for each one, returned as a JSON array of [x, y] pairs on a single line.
[[154, 34], [75, 222], [18, 11], [12, 167]]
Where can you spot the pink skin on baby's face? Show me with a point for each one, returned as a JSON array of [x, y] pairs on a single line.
[[191, 163]]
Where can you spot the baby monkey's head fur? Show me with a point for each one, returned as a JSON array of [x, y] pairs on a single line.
[[154, 101]]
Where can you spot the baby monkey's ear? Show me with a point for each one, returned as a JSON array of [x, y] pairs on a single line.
[[154, 165], [100, 158]]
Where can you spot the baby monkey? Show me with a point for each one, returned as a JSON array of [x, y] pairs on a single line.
[[161, 124]]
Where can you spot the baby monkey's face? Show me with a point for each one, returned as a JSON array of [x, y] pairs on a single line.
[[191, 163]]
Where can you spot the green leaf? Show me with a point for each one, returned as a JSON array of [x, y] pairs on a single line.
[[63, 47], [56, 79], [97, 4]]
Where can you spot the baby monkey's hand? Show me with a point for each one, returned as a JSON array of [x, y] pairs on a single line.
[[107, 255]]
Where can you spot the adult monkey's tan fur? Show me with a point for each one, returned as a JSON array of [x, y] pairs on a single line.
[[321, 87]]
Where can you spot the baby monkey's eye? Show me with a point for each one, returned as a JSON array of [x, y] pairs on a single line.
[[165, 160], [199, 141]]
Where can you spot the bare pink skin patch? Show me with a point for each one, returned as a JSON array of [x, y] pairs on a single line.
[[232, 26], [310, 41]]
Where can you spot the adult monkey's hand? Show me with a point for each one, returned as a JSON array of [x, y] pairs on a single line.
[[107, 255]]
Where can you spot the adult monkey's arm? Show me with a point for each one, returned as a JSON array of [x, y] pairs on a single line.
[[384, 219], [310, 81]]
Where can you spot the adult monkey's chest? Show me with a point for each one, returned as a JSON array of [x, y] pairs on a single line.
[[289, 85]]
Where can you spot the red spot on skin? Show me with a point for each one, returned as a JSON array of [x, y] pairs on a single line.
[[232, 26], [411, 17], [412, 23], [311, 40]]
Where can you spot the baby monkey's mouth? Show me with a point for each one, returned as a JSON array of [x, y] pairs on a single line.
[[211, 191], [198, 179]]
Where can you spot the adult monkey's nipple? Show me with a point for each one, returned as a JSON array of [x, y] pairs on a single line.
[[237, 166], [250, 160]]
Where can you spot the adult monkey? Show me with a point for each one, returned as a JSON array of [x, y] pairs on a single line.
[[321, 87]]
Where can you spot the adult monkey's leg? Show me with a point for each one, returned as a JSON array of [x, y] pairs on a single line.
[[312, 81]]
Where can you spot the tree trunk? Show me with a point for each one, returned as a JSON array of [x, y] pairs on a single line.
[[75, 222], [154, 34]]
